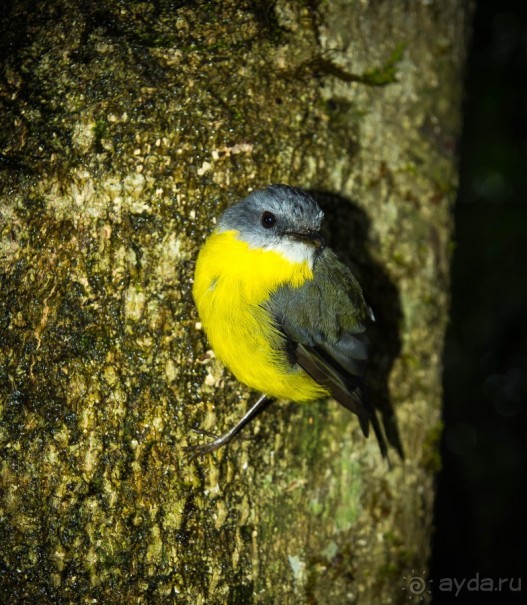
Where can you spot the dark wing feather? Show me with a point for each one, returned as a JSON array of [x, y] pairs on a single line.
[[324, 322], [314, 363]]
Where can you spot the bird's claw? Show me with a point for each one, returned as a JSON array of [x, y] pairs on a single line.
[[195, 451]]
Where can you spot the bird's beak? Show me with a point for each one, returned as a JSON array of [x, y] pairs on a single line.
[[311, 238]]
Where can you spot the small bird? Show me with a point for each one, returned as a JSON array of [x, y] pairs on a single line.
[[280, 310]]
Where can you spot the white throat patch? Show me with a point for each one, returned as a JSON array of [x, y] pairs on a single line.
[[294, 252]]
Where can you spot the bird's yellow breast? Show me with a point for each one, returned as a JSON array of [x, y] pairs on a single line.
[[231, 282]]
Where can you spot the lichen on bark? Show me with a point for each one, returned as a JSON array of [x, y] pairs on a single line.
[[128, 127]]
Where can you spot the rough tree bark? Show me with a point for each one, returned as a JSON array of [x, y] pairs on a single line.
[[127, 127]]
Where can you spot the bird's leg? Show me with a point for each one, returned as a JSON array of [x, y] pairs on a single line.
[[261, 404]]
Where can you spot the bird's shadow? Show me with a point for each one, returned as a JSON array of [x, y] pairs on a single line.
[[346, 229]]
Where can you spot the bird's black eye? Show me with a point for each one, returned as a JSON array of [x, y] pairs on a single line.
[[268, 220]]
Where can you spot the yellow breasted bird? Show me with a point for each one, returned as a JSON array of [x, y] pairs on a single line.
[[279, 308]]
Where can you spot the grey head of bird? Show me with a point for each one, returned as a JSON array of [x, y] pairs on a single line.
[[278, 218]]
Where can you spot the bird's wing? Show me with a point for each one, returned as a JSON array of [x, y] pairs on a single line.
[[324, 322]]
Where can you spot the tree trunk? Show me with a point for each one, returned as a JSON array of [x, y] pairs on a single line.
[[127, 127]]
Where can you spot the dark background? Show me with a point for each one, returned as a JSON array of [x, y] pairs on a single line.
[[481, 508]]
